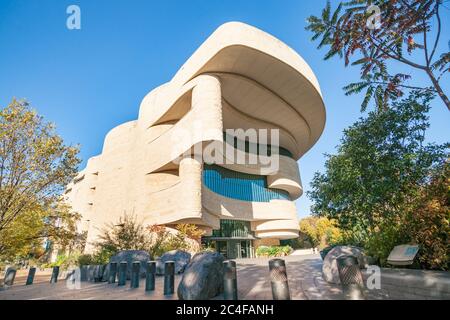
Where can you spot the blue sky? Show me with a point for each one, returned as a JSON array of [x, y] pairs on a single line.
[[90, 80]]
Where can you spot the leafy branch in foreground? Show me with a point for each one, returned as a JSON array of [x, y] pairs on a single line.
[[401, 32]]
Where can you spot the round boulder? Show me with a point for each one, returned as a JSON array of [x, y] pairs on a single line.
[[180, 257], [330, 271], [203, 277], [131, 256]]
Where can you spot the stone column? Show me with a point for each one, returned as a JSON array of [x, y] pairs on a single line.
[[191, 179], [207, 105]]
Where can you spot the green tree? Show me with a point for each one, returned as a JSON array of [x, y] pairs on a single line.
[[35, 166], [405, 31], [377, 176]]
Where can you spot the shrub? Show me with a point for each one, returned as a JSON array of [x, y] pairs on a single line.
[[101, 256], [273, 251], [129, 234], [187, 237], [429, 222], [85, 260], [126, 234], [64, 261]]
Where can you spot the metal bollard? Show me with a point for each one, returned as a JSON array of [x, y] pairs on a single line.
[[10, 276], [55, 274], [351, 278], [135, 274], [122, 273], [279, 280], [112, 272], [169, 278], [150, 271], [90, 272], [98, 273], [229, 280], [71, 277], [84, 273], [30, 277]]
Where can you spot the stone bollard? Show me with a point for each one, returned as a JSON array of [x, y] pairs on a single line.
[[10, 275], [230, 280], [150, 271], [122, 273], [55, 274], [169, 278], [30, 277], [279, 280], [135, 274], [112, 272], [351, 278]]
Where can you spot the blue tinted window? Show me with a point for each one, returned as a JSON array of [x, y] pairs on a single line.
[[241, 186]]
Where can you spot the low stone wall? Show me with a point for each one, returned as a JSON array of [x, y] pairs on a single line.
[[408, 284]]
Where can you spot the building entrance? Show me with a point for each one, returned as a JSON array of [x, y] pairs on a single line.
[[234, 249], [234, 240]]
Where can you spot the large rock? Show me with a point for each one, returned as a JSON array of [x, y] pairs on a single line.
[[180, 257], [203, 277], [131, 256], [330, 271]]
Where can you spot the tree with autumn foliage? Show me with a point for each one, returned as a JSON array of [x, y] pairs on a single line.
[[35, 166], [429, 222], [374, 33], [320, 231]]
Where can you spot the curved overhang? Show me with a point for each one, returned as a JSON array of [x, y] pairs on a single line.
[[259, 72]]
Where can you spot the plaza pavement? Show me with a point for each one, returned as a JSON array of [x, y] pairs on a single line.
[[304, 275]]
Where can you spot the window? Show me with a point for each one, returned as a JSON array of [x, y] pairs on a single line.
[[281, 151], [240, 186]]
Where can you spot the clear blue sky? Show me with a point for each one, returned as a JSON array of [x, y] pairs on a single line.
[[90, 80]]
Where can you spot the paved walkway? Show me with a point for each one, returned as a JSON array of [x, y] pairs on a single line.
[[304, 274]]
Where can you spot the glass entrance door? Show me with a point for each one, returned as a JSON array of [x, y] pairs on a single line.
[[233, 248], [245, 249]]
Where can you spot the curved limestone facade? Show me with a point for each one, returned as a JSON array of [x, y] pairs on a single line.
[[154, 167]]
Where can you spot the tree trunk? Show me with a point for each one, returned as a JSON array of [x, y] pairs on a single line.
[[438, 89]]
